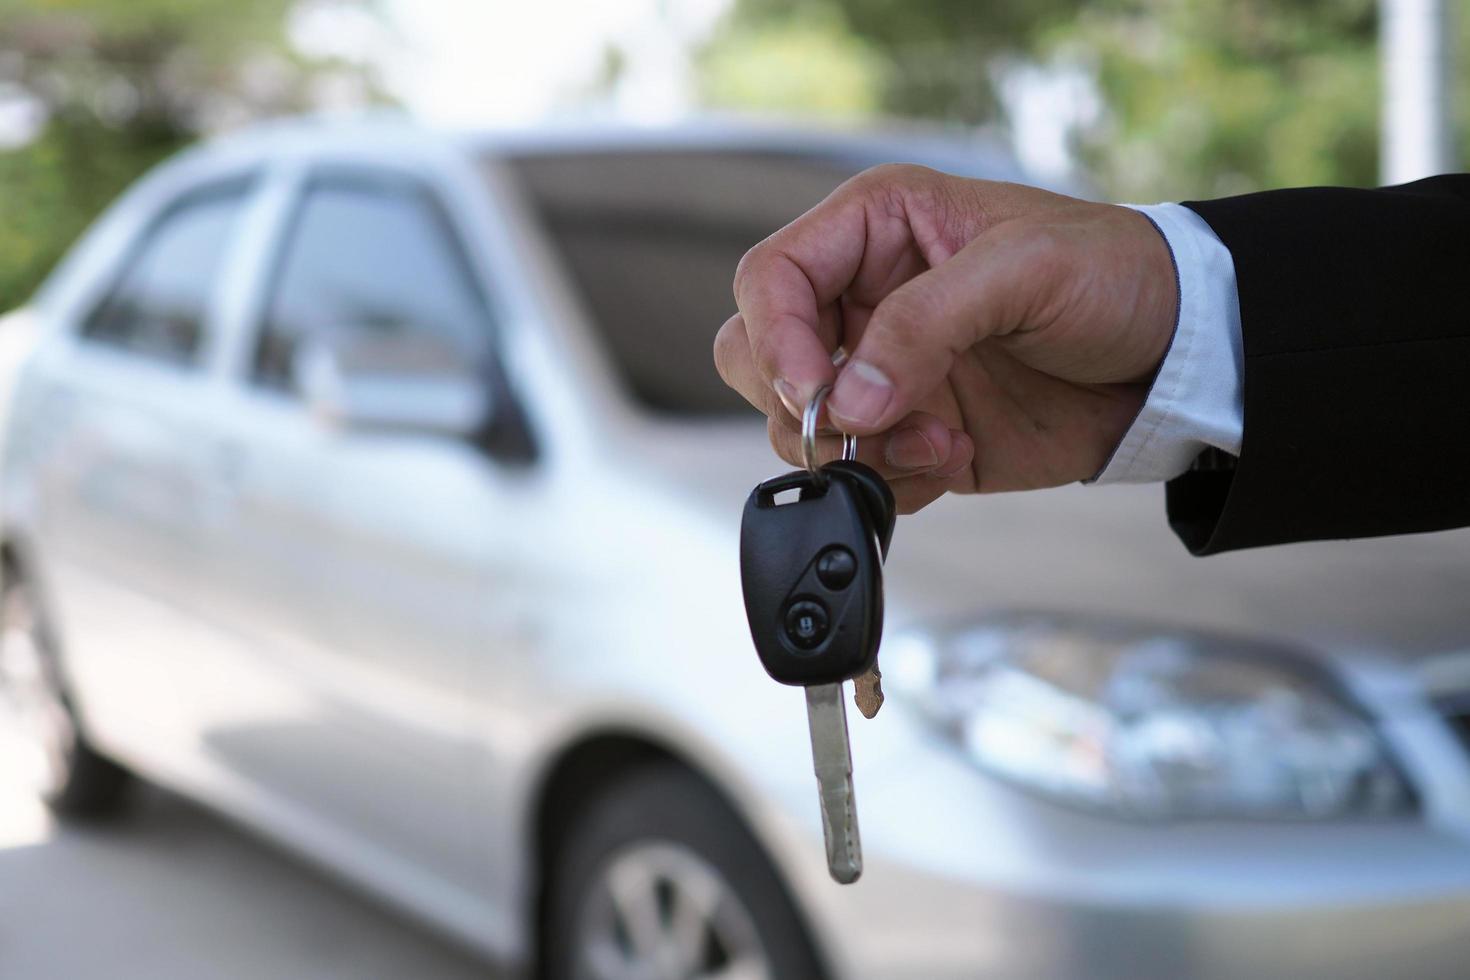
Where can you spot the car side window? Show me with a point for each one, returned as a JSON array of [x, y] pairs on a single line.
[[375, 258], [160, 304]]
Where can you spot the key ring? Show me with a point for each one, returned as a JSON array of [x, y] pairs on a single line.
[[809, 435]]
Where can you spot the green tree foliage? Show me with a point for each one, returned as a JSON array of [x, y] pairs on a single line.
[[925, 58], [808, 64], [52, 187], [120, 84], [1219, 96], [1202, 97]]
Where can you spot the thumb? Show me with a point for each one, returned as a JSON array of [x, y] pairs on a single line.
[[913, 336]]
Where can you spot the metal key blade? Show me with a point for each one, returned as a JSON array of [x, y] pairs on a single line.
[[826, 717], [867, 691]]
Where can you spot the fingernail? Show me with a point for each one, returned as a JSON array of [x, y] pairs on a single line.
[[957, 467], [787, 393], [861, 395], [907, 449]]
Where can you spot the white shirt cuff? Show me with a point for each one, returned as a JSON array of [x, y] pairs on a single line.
[[1196, 400]]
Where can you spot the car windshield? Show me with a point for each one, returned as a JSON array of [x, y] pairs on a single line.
[[651, 240]]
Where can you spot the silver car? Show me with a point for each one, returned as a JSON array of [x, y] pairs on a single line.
[[373, 485]]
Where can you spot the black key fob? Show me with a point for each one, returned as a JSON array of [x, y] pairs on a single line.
[[811, 572], [882, 508]]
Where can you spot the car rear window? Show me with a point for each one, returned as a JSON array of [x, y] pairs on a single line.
[[651, 241]]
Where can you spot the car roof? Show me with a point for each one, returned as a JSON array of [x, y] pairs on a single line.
[[953, 150], [957, 151]]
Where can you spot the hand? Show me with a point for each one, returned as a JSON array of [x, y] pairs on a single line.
[[1000, 337]]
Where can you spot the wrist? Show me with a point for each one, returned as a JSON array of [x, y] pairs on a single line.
[[1156, 279], [1195, 400]]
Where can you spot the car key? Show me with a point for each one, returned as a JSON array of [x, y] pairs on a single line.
[[811, 572]]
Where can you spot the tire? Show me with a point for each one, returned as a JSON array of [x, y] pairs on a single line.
[[671, 845], [68, 775]]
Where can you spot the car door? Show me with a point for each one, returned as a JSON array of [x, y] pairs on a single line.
[[368, 559], [127, 402]]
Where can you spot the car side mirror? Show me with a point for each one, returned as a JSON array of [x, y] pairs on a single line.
[[392, 380]]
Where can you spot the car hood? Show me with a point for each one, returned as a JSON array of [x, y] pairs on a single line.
[[1110, 550]]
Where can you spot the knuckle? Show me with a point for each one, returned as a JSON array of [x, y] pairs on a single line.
[[889, 185], [951, 203], [896, 175], [750, 264]]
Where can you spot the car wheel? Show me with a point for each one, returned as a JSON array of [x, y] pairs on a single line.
[[65, 771], [658, 878]]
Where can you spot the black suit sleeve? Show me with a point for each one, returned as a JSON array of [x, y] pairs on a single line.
[[1355, 314]]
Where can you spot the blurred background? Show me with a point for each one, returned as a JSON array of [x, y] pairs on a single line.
[[1126, 100], [1148, 99]]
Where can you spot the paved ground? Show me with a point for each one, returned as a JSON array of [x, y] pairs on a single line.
[[174, 893]]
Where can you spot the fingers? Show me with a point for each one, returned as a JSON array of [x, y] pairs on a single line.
[[913, 493], [899, 242], [909, 343], [904, 268], [920, 444], [871, 234], [784, 284], [736, 366]]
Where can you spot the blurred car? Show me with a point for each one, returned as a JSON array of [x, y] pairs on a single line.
[[373, 485]]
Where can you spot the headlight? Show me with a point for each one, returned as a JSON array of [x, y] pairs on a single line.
[[1148, 723]]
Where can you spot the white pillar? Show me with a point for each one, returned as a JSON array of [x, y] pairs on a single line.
[[1414, 50]]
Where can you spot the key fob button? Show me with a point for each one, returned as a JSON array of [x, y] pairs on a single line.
[[806, 623], [836, 568]]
